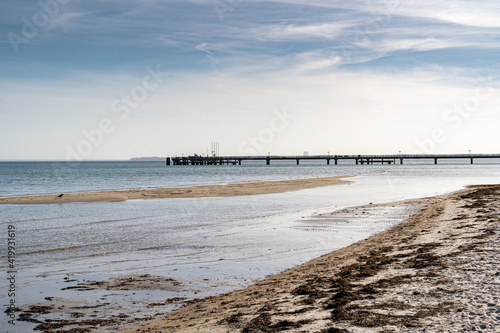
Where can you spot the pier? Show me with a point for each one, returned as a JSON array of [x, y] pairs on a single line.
[[357, 159]]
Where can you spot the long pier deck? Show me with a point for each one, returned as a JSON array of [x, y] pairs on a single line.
[[358, 159]]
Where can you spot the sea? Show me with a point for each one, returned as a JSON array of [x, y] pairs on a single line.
[[209, 245]]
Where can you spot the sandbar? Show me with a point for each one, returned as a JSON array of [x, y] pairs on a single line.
[[236, 189]]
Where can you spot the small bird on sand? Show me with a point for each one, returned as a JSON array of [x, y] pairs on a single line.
[[60, 195]]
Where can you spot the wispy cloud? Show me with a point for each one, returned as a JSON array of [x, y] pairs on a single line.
[[328, 60], [286, 32]]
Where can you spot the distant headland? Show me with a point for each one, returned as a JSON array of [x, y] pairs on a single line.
[[147, 159]]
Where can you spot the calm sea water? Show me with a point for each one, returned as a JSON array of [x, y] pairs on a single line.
[[20, 178], [209, 244]]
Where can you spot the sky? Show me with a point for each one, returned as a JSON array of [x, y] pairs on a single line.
[[115, 79]]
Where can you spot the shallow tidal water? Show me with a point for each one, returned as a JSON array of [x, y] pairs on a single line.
[[209, 245]]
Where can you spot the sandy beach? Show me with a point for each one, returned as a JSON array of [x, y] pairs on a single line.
[[436, 272], [237, 189]]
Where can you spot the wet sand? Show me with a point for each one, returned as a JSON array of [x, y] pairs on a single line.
[[250, 188], [107, 305], [436, 271]]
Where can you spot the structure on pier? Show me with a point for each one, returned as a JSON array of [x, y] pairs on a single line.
[[358, 159]]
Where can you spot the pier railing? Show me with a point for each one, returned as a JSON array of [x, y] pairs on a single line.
[[358, 159]]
